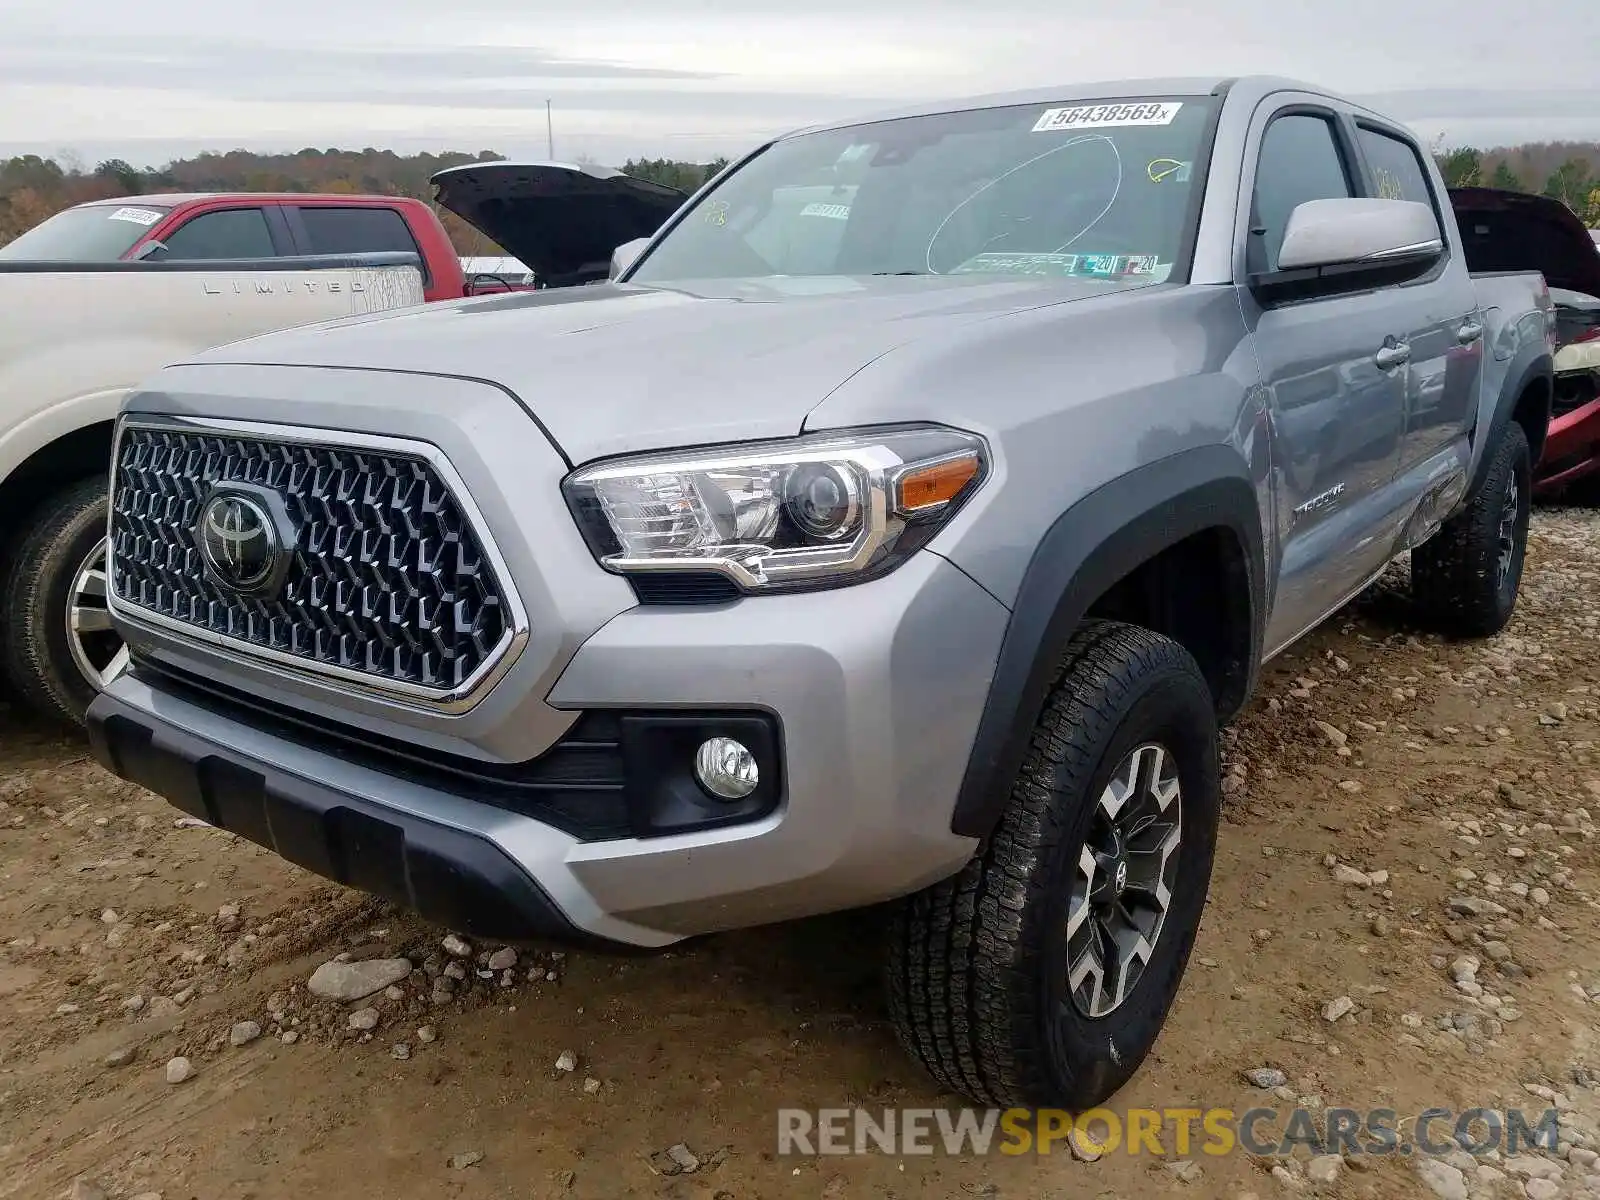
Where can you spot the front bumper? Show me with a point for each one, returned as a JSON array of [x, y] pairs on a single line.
[[877, 689]]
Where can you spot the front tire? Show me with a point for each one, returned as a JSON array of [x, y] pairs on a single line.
[[1465, 578], [57, 645], [1042, 974]]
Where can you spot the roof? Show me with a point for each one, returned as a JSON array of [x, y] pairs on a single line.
[[1118, 89], [175, 199]]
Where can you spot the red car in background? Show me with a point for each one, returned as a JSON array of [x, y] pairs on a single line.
[[247, 225], [1511, 231]]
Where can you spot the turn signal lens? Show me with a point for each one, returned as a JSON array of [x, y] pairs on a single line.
[[923, 488]]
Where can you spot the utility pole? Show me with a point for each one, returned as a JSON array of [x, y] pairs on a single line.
[[550, 132]]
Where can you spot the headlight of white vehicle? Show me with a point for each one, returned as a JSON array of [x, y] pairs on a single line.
[[806, 512]]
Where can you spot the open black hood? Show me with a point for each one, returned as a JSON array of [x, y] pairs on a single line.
[[561, 219], [1513, 231]]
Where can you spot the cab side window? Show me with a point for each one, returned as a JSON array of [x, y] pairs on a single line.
[[226, 233], [1299, 161]]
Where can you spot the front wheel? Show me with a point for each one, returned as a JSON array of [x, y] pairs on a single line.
[[57, 644], [1465, 578], [1043, 972]]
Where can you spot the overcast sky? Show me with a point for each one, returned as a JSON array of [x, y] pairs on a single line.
[[693, 78]]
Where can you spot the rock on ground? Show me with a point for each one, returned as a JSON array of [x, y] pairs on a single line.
[[364, 1019], [1324, 1168], [1442, 1179], [244, 1033], [346, 981]]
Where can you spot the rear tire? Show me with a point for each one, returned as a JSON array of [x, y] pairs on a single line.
[[1464, 580], [987, 982], [52, 668]]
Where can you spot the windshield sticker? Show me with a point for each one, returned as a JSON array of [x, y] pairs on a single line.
[[996, 263], [836, 212], [1162, 169], [1099, 266], [717, 213], [138, 216], [1108, 116]]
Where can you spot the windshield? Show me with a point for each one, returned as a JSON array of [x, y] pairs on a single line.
[[1096, 189], [94, 233]]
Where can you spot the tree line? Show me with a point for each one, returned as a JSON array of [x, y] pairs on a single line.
[[33, 188], [1565, 171]]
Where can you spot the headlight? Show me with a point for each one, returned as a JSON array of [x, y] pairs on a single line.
[[806, 512]]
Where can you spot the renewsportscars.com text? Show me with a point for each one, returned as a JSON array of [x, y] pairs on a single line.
[[1161, 1132]]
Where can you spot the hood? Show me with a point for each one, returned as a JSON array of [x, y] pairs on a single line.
[[1513, 231], [611, 368], [561, 219]]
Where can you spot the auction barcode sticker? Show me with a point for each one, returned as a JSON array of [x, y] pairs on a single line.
[[1109, 116], [139, 216]]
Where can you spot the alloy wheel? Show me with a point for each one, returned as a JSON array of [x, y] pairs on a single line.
[[1510, 510], [1127, 872], [98, 650]]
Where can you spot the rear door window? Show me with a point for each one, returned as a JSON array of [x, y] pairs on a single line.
[[1397, 172], [226, 233], [336, 229]]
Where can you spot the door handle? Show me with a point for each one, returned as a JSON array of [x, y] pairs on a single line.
[[1469, 333], [1392, 356]]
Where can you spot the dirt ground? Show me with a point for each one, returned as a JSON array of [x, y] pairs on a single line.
[[1466, 772]]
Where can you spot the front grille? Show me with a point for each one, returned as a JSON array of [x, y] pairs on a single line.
[[387, 579]]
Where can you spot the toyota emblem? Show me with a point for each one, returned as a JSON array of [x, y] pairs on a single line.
[[239, 541]]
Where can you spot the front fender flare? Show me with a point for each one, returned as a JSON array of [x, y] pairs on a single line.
[[1095, 543]]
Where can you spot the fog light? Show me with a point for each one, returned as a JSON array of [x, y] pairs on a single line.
[[726, 768]]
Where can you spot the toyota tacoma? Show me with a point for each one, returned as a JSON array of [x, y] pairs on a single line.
[[896, 526]]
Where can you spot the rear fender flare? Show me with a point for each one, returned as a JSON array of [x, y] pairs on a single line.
[[1531, 364], [1095, 543]]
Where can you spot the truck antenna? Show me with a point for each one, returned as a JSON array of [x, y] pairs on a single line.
[[550, 132]]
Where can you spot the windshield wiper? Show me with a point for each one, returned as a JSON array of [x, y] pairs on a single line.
[[902, 272]]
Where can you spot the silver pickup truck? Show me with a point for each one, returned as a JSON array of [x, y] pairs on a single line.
[[897, 526]]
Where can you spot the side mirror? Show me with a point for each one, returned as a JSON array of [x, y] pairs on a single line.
[[151, 250], [1354, 232], [625, 255], [1347, 245]]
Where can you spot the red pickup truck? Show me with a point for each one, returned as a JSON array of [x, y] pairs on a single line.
[[248, 225]]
